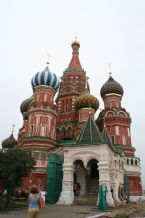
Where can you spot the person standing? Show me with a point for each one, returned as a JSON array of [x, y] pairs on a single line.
[[78, 188], [33, 202], [43, 194]]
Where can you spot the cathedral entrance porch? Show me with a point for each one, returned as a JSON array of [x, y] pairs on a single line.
[[89, 168], [89, 188]]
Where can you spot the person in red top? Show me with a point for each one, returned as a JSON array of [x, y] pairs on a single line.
[[78, 187]]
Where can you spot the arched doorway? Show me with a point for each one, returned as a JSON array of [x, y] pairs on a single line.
[[92, 179], [93, 168], [88, 179]]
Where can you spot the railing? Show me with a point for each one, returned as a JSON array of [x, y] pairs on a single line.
[[7, 202]]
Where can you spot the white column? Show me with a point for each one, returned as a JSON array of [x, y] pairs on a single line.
[[115, 192], [67, 194], [104, 179], [109, 198]]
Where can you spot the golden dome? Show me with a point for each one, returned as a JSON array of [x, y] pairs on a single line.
[[86, 100], [75, 42]]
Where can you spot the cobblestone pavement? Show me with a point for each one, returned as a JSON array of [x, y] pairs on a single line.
[[59, 211]]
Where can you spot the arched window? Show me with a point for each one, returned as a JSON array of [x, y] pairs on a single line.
[[57, 132], [110, 114], [112, 137], [127, 161], [131, 161], [136, 162], [70, 132], [43, 156], [63, 133], [115, 163], [31, 131]]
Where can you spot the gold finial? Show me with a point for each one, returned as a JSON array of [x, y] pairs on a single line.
[[87, 89], [76, 41], [13, 127], [48, 60], [86, 85]]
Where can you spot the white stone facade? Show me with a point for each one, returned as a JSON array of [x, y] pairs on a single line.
[[110, 167]]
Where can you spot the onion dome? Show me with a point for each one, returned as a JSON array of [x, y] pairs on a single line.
[[110, 87], [47, 78], [9, 142], [26, 104], [86, 100]]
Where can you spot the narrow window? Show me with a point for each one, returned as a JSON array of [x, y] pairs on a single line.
[[31, 131], [117, 130]]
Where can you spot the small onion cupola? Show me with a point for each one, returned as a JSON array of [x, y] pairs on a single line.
[[86, 100], [46, 78], [25, 105], [111, 87], [9, 142]]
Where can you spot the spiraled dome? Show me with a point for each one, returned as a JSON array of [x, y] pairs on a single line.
[[86, 100], [9, 142], [47, 78], [25, 104], [111, 86]]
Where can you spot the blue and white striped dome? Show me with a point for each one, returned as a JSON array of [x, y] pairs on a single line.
[[47, 78]]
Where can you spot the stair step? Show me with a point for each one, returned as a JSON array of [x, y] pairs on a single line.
[[87, 200]]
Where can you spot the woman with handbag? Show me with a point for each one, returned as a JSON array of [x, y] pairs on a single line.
[[34, 202]]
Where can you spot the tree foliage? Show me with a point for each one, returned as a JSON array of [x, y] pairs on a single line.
[[15, 164]]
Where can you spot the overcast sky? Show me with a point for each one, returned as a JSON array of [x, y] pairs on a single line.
[[109, 31]]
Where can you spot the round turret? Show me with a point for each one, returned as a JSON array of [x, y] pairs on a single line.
[[9, 142], [110, 87], [47, 78], [86, 100]]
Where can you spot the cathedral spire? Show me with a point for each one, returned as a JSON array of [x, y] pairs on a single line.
[[75, 62]]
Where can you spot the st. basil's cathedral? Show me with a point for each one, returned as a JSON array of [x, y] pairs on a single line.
[[59, 120]]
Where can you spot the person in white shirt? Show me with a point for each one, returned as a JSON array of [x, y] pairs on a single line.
[[43, 193]]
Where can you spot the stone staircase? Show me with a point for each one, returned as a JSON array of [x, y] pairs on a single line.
[[91, 194]]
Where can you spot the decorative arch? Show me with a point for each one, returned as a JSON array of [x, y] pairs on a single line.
[[92, 157], [70, 132], [110, 114], [121, 114], [63, 132], [82, 156], [75, 158]]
